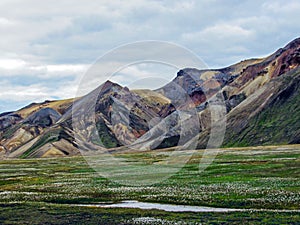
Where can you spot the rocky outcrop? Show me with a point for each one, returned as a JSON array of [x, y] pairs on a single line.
[[8, 119], [45, 117]]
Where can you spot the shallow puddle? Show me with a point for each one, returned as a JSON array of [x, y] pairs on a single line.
[[165, 207]]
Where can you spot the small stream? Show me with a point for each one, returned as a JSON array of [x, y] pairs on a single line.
[[175, 208]]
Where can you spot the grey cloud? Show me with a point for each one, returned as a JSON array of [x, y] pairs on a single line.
[[43, 33]]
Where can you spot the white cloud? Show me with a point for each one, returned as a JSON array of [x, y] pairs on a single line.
[[65, 70], [17, 67], [219, 32], [27, 94], [4, 22], [282, 6], [11, 64], [19, 93], [145, 75]]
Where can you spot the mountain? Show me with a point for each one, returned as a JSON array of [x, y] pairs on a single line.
[[260, 97]]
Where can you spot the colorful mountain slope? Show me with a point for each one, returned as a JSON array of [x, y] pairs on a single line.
[[261, 98]]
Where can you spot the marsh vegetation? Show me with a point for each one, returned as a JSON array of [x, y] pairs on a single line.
[[264, 180]]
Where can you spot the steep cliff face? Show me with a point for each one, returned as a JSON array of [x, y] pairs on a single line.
[[261, 97], [268, 116]]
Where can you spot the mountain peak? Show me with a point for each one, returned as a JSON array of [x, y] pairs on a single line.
[[106, 87], [109, 84], [293, 44]]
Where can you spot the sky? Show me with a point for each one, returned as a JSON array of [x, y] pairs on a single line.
[[46, 47]]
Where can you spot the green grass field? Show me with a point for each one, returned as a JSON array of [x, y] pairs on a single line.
[[46, 191]]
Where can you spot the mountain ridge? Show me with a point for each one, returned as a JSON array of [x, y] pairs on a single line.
[[260, 96]]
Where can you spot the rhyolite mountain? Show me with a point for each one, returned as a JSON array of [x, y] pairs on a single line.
[[261, 99]]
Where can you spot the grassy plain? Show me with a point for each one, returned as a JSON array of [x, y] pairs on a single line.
[[265, 180]]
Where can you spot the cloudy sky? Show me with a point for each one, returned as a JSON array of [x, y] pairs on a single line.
[[47, 46]]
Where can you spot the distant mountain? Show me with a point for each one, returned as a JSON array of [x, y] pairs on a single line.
[[261, 98]]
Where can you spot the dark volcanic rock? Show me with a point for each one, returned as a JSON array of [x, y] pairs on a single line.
[[234, 100], [44, 117], [8, 119]]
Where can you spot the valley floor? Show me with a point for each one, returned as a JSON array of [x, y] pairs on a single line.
[[263, 180]]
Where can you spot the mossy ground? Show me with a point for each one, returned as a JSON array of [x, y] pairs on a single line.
[[40, 191]]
